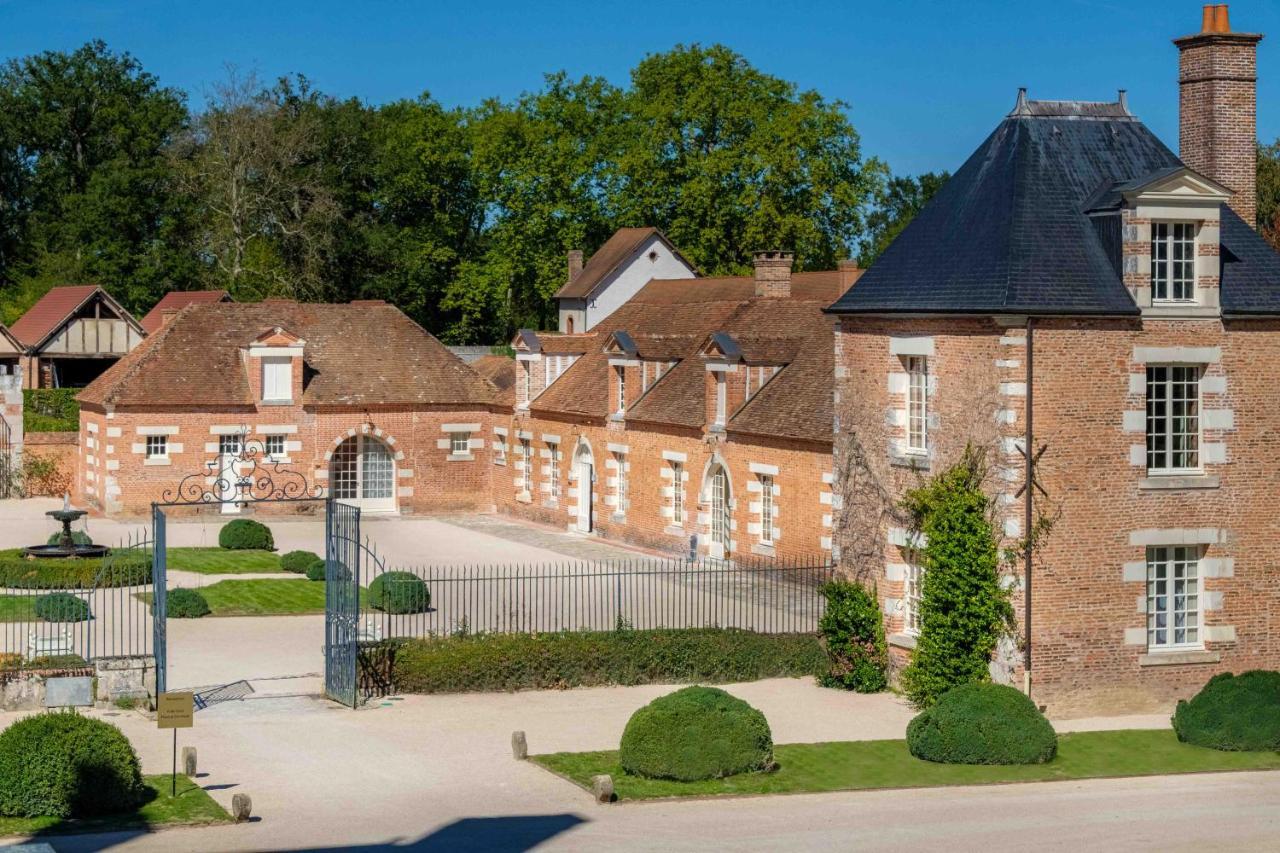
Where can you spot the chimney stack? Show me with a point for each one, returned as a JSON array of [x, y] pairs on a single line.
[[773, 274], [1218, 107], [849, 272], [575, 263]]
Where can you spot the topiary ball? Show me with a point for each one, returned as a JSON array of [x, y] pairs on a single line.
[[245, 534], [299, 561], [399, 592], [184, 603], [696, 733], [315, 571], [61, 607], [78, 537], [64, 765], [982, 724], [1233, 712]]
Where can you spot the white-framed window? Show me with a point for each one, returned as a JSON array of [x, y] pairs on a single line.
[[273, 447], [157, 447], [766, 509], [557, 365], [911, 595], [230, 445], [677, 494], [1173, 261], [500, 451], [621, 401], [459, 443], [1173, 597], [526, 380], [526, 463], [1173, 418], [277, 379], [363, 470], [553, 470], [621, 490], [917, 404], [722, 395], [757, 376]]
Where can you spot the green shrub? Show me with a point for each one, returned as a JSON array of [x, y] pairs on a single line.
[[982, 724], [64, 765], [1233, 712], [299, 561], [491, 662], [61, 607], [245, 534], [125, 568], [78, 537], [696, 733], [183, 603], [399, 592], [50, 410], [853, 630], [964, 610], [315, 571]]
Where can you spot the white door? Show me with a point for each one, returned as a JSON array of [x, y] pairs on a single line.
[[586, 494], [363, 472], [720, 524], [230, 448]]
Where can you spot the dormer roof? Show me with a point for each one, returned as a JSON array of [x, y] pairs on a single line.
[[621, 343], [278, 336]]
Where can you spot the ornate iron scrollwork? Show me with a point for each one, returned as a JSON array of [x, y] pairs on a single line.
[[249, 476]]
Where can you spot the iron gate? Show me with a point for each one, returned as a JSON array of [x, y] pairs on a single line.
[[160, 598], [8, 462], [341, 601]]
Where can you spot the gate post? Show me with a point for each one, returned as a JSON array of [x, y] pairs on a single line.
[[159, 597]]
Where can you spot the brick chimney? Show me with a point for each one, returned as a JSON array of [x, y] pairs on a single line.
[[849, 272], [773, 274], [575, 263], [1218, 107]]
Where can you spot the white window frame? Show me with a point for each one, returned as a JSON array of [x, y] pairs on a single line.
[[268, 441], [157, 447], [677, 494], [1173, 279], [1174, 442], [277, 395], [526, 462], [459, 444], [527, 381], [500, 451], [766, 509], [621, 401], [722, 397], [553, 471], [917, 404], [351, 478], [1173, 579], [620, 487], [912, 595]]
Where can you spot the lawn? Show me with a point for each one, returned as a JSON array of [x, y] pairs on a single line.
[[265, 597], [858, 765], [17, 608], [192, 806], [220, 561]]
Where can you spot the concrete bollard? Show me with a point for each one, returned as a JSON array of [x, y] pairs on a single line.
[[189, 761], [241, 807], [602, 788], [519, 746]]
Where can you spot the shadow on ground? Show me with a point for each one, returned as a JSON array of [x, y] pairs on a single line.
[[511, 834]]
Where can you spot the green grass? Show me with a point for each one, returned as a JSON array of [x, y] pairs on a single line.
[[17, 608], [192, 807], [219, 561], [860, 765], [265, 597]]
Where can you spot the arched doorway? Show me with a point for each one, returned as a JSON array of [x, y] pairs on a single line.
[[585, 473], [362, 472], [720, 497]]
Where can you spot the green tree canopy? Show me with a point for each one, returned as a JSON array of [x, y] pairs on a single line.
[[896, 205]]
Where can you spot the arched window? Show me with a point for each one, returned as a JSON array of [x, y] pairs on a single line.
[[568, 327], [363, 472]]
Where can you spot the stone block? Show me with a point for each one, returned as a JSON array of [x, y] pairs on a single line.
[[602, 788], [189, 761], [519, 746], [241, 807]]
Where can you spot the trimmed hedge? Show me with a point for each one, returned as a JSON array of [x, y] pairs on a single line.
[[184, 603], [852, 627], [1233, 712], [245, 534], [694, 734], [63, 765], [299, 561], [78, 537], [19, 572], [982, 724], [315, 571], [399, 592], [61, 607], [498, 662]]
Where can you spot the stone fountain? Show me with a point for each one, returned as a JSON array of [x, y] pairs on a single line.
[[66, 547]]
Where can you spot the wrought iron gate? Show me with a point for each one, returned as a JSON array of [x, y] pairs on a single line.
[[160, 598], [341, 601], [8, 463]]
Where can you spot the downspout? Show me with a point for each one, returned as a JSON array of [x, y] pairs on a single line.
[[1029, 489]]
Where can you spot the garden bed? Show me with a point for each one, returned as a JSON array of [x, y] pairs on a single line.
[[220, 561], [288, 596], [191, 807], [128, 568], [863, 765]]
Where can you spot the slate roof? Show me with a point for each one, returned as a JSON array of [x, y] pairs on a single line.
[[175, 300], [610, 256], [1008, 233], [356, 355], [55, 308]]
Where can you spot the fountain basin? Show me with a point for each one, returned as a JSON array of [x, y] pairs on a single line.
[[62, 552]]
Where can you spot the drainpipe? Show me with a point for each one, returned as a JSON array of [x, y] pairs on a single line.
[[1027, 509]]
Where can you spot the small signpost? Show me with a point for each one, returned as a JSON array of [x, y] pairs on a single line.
[[175, 711]]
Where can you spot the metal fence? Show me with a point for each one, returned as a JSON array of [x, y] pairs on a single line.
[[766, 597]]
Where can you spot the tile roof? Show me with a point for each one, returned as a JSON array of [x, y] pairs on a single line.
[[1009, 232], [176, 300], [610, 256], [500, 370], [49, 313], [356, 355]]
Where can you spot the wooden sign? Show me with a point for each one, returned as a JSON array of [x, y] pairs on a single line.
[[175, 710]]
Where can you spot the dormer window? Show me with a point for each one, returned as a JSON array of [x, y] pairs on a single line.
[[622, 389], [1173, 261], [721, 398], [277, 379]]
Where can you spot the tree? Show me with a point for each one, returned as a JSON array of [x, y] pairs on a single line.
[[1269, 193], [963, 609], [87, 194], [899, 202]]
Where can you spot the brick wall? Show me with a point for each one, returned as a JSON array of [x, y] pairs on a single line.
[[49, 463]]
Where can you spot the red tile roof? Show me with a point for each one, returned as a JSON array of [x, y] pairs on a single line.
[[616, 250], [500, 370], [49, 313], [176, 300]]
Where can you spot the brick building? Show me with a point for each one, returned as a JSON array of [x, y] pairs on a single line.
[[1077, 283], [355, 397]]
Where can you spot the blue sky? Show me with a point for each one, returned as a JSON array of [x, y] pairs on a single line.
[[925, 80]]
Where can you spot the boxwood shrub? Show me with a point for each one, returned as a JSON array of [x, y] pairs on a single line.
[[495, 662], [245, 534], [1233, 712], [127, 568], [78, 537], [399, 592], [299, 561], [315, 571], [61, 607], [982, 724], [696, 733], [852, 628], [64, 765], [182, 603]]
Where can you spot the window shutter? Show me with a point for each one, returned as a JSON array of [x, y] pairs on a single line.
[[277, 379]]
